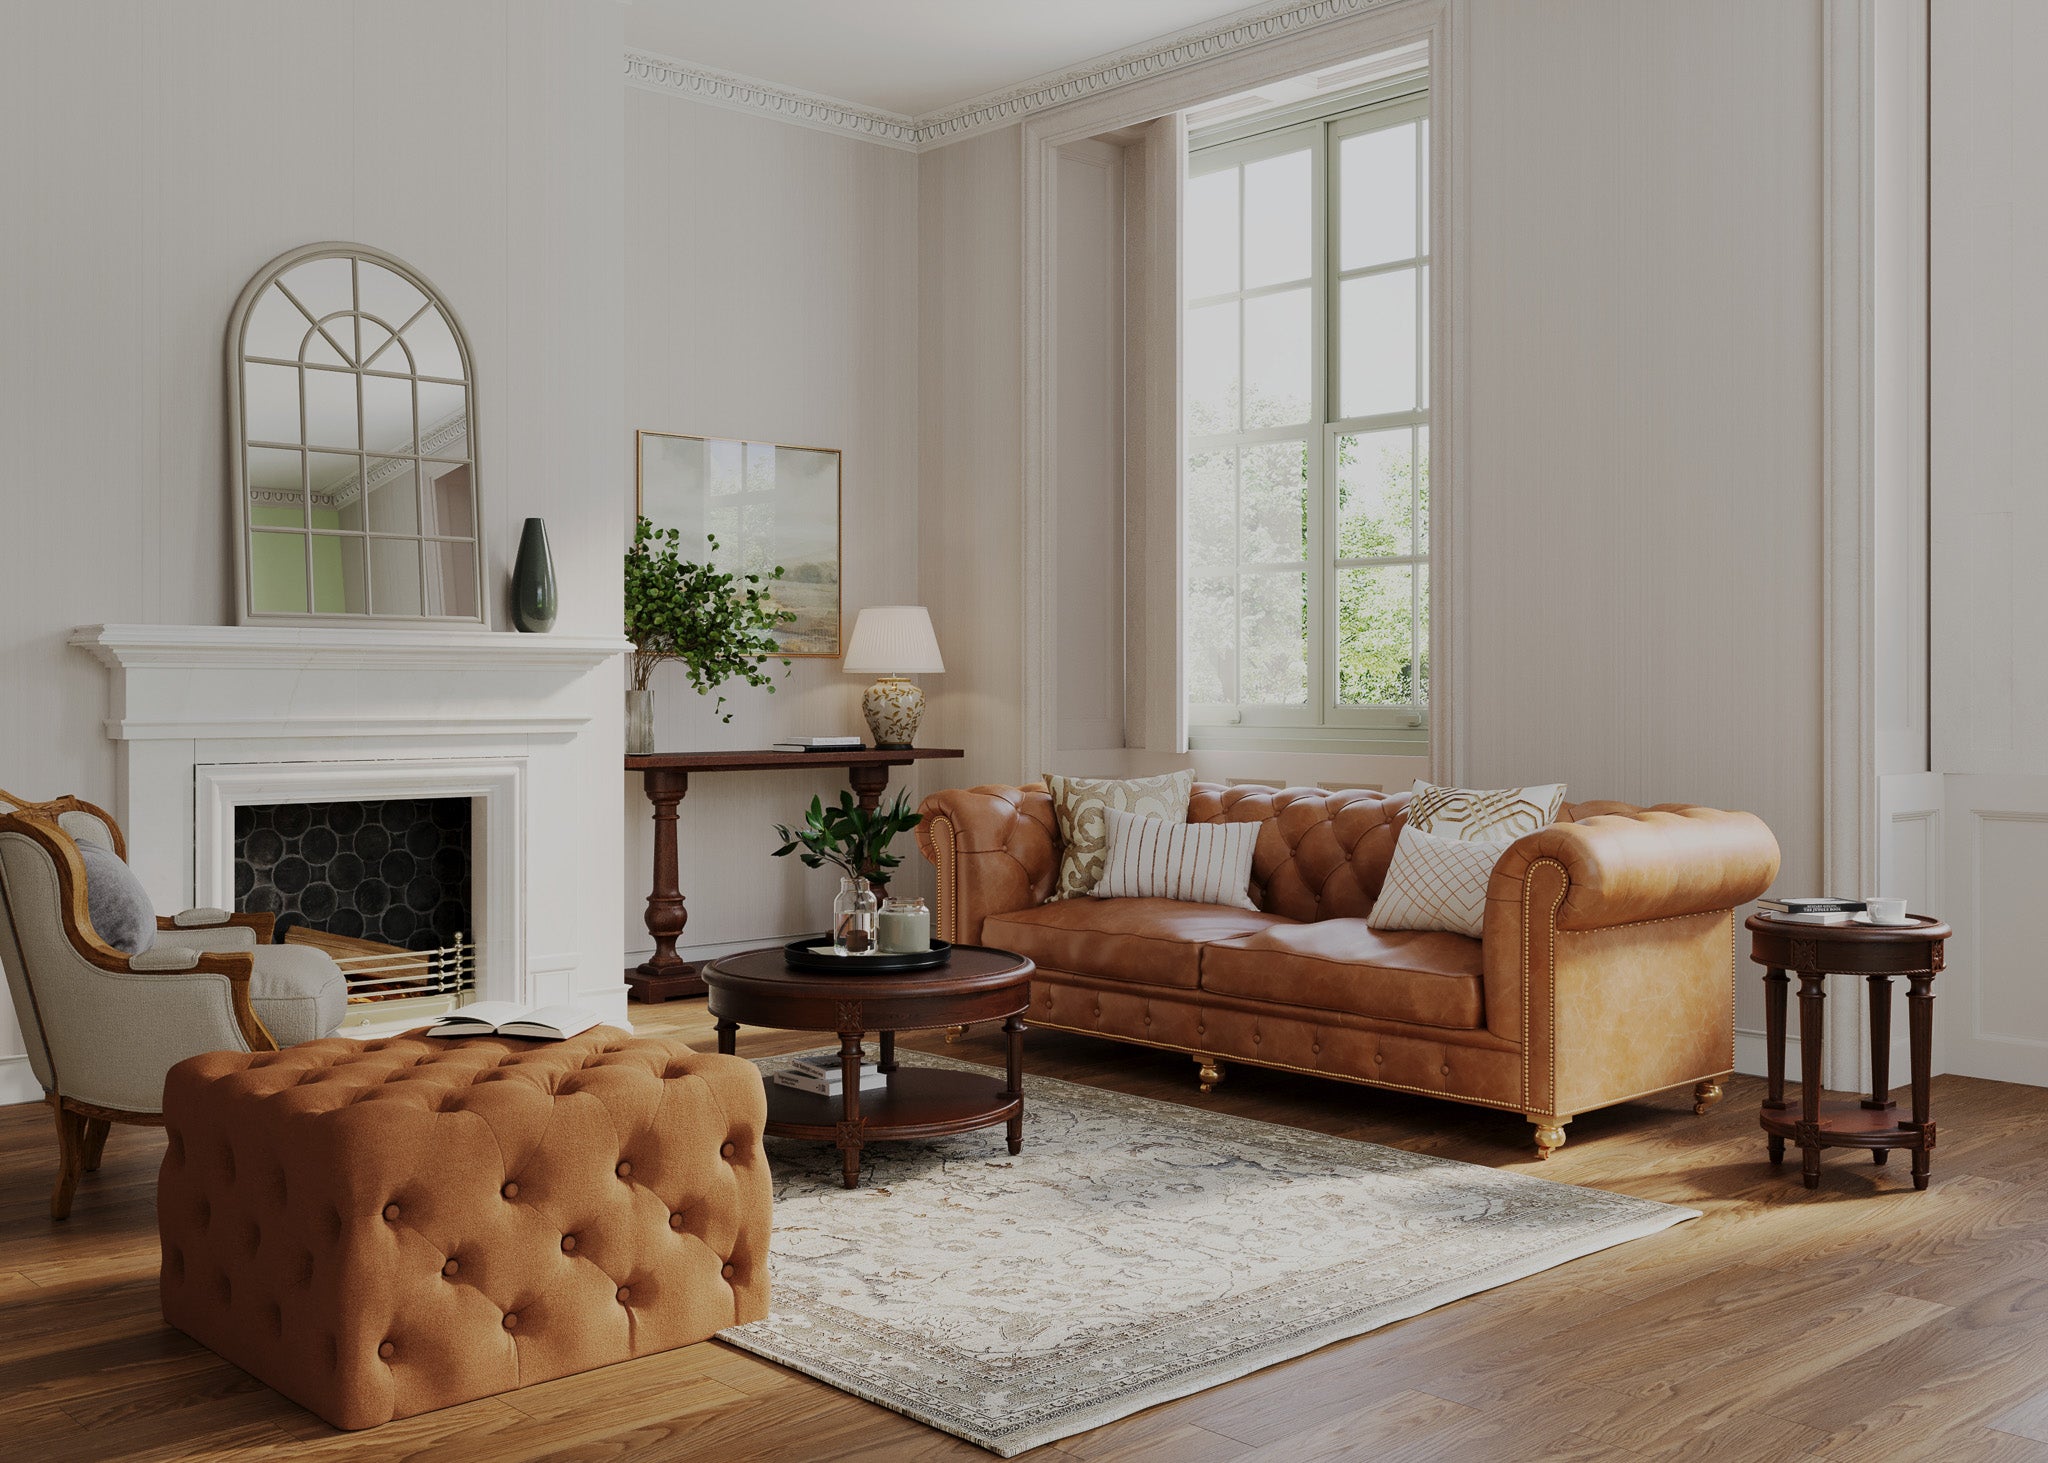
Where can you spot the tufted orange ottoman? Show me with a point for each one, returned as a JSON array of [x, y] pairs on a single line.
[[382, 1229]]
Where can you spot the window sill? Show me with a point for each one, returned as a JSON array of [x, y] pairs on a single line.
[[1348, 741]]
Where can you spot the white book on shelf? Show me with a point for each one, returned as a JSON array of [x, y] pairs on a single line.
[[832, 1087]]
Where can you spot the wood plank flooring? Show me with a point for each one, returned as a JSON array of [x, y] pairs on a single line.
[[1862, 1322]]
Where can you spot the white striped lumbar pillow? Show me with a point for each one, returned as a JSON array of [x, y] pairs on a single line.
[[1157, 858]]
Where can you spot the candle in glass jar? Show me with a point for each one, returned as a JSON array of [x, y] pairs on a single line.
[[906, 927]]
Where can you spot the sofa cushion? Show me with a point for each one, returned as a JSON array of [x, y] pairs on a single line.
[[1145, 941], [1429, 978]]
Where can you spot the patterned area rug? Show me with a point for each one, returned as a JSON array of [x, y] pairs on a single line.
[[1136, 1251]]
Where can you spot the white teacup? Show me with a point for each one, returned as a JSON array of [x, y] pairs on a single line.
[[1886, 911]]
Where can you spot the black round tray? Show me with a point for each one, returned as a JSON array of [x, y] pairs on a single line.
[[797, 956]]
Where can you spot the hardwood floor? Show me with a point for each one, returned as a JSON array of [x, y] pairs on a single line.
[[1859, 1322]]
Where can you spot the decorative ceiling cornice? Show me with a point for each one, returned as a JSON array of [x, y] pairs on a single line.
[[1221, 37]]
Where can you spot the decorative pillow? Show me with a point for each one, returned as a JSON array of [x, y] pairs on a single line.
[[1078, 805], [1157, 858], [1471, 816], [116, 902], [1435, 884]]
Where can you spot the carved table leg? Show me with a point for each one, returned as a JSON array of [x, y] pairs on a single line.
[[850, 1124], [728, 1036], [887, 1063], [1813, 994], [1775, 982], [1211, 1074], [665, 975], [1014, 1088], [1920, 1021]]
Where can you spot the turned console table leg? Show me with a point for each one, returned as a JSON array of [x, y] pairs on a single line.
[[665, 974], [870, 780], [1812, 1020]]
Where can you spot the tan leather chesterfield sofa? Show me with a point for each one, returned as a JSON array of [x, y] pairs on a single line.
[[1607, 970]]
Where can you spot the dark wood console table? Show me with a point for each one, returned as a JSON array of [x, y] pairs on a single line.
[[666, 776], [1878, 952]]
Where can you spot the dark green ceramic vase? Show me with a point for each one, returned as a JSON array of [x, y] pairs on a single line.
[[533, 581]]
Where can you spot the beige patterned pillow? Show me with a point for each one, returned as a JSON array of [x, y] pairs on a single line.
[[1435, 884], [1477, 816], [1197, 863], [1079, 805]]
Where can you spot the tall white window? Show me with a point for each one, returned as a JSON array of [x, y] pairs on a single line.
[[1306, 380]]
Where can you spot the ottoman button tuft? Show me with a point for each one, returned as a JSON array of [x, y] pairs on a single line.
[[387, 1351], [568, 1244], [510, 1191], [391, 1212], [625, 1294], [727, 1271], [728, 1150], [449, 1268], [675, 1221], [511, 1321], [625, 1169]]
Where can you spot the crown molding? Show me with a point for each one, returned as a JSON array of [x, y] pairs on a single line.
[[1224, 36], [785, 103]]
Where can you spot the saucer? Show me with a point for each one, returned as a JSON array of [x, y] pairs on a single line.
[[1862, 917]]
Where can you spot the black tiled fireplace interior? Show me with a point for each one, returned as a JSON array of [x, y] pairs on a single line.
[[395, 871]]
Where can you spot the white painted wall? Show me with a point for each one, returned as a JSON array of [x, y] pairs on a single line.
[[152, 158], [771, 294]]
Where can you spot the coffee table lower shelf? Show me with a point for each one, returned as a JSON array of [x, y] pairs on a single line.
[[918, 1102]]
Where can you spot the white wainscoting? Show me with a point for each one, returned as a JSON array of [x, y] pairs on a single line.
[[1991, 1004]]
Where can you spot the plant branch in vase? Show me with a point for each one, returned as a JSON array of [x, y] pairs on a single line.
[[855, 841], [719, 626]]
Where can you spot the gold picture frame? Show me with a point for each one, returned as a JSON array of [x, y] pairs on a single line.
[[767, 503]]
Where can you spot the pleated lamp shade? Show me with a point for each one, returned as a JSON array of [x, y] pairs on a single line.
[[893, 640]]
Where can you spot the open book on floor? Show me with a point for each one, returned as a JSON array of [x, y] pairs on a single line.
[[509, 1018]]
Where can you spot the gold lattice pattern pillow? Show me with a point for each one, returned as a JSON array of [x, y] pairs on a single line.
[[1080, 805], [1499, 815], [1435, 884]]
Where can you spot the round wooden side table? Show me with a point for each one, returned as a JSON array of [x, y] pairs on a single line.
[[1878, 952], [756, 988]]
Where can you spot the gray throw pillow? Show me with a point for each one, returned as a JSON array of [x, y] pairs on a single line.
[[118, 905]]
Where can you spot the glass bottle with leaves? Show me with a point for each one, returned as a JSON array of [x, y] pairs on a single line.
[[719, 626], [854, 840]]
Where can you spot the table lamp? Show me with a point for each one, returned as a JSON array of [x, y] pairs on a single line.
[[892, 642]]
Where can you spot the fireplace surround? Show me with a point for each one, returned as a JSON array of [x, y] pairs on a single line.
[[208, 719]]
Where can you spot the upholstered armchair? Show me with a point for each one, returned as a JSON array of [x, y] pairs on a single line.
[[103, 1028]]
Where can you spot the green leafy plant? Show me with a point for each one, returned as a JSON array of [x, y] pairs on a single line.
[[720, 626], [851, 839]]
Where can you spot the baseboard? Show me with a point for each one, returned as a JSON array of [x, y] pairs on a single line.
[[1752, 1057], [696, 954], [18, 1080]]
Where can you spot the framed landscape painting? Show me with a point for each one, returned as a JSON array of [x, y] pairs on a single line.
[[767, 505]]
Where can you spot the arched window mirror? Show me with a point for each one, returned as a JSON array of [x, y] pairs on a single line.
[[352, 425]]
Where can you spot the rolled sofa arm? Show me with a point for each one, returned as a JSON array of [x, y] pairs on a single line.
[[1632, 864], [1610, 948], [994, 850]]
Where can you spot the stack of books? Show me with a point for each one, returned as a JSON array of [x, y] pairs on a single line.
[[820, 744], [1811, 911], [825, 1077]]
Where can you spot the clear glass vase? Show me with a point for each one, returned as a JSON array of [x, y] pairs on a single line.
[[853, 918], [639, 720]]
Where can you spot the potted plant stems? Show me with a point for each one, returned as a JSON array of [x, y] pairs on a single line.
[[855, 841]]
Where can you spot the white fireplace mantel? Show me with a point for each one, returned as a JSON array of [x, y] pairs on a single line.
[[205, 717]]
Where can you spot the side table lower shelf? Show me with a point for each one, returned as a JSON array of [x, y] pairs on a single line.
[[1845, 1122]]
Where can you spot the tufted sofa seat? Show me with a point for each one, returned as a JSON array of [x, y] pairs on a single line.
[[382, 1229], [1606, 970]]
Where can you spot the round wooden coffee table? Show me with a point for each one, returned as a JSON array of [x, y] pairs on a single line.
[[757, 989]]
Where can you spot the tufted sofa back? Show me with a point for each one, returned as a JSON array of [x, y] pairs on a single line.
[[1321, 854]]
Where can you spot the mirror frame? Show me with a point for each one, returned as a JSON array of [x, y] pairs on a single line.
[[237, 446]]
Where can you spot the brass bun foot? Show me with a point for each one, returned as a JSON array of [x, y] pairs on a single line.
[[954, 1033], [1705, 1095], [1211, 1074], [1549, 1136]]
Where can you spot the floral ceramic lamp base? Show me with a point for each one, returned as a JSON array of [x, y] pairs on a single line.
[[893, 707]]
